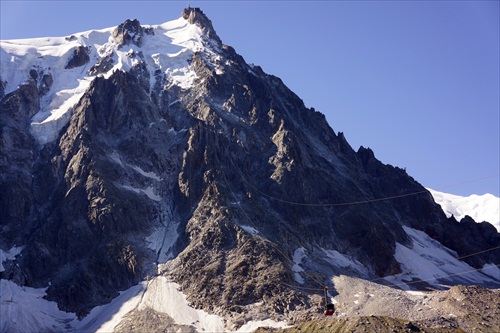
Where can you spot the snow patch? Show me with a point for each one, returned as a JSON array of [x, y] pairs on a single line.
[[105, 318], [249, 229], [9, 255], [297, 258], [491, 270], [23, 309], [149, 174], [148, 191], [338, 259], [162, 240], [164, 296], [429, 261], [115, 157], [253, 325]]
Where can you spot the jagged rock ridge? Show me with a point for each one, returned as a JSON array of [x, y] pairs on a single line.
[[203, 168]]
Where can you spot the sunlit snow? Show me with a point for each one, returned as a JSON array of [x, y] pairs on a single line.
[[24, 309], [429, 261], [168, 52], [481, 208]]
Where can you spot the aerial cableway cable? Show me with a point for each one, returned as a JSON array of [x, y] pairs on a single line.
[[370, 201], [453, 274], [253, 226], [348, 203], [324, 287], [441, 277]]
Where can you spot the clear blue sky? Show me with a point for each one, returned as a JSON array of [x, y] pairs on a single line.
[[416, 81]]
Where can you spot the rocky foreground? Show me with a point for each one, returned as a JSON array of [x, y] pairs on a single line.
[[364, 306], [362, 324]]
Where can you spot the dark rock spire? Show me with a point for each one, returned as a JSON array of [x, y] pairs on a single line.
[[196, 16], [128, 32]]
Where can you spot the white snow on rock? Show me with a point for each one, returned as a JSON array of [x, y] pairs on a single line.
[[9, 255], [161, 241], [429, 261], [480, 207], [164, 296], [150, 174], [298, 255], [115, 157], [148, 191], [104, 318], [23, 309], [253, 325], [338, 259], [167, 51], [491, 270], [249, 229]]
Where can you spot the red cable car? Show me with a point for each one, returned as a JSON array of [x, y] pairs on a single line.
[[329, 307]]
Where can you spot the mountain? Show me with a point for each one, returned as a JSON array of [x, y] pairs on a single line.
[[150, 176], [484, 207]]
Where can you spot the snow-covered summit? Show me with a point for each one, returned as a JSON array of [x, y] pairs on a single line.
[[49, 63], [480, 207]]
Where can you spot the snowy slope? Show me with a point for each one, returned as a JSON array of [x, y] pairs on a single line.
[[480, 207], [166, 49], [430, 262], [24, 309]]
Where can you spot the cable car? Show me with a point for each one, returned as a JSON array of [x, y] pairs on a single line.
[[329, 309]]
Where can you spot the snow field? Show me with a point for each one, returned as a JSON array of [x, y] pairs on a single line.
[[480, 207], [23, 309], [169, 54], [433, 263]]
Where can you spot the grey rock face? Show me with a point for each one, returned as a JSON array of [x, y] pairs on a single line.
[[149, 320], [128, 32], [41, 79], [80, 57], [102, 66], [2, 88]]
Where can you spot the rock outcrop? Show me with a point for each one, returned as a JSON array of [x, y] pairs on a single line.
[[128, 32], [79, 58]]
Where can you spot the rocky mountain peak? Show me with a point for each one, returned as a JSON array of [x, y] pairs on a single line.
[[202, 170], [128, 32], [196, 16]]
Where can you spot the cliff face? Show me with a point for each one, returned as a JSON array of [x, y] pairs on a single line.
[[214, 174]]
